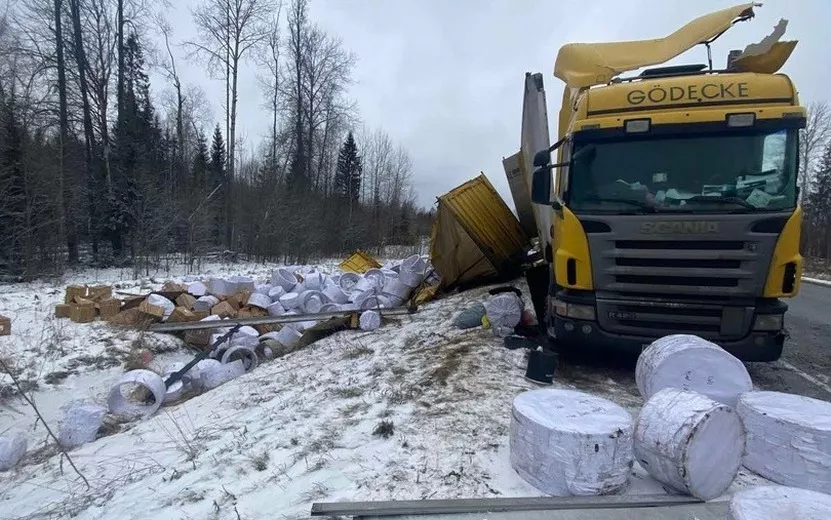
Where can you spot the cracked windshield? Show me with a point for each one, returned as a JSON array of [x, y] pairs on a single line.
[[709, 173]]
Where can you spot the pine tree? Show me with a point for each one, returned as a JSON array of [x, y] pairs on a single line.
[[217, 157], [348, 171], [199, 169]]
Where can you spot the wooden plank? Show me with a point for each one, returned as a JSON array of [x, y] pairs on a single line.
[[492, 505]]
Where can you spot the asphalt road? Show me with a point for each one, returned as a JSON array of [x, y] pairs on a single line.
[[805, 365]]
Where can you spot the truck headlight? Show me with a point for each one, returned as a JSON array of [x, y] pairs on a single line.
[[769, 322], [573, 310]]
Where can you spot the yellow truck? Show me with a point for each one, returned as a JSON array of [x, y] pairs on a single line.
[[672, 204]]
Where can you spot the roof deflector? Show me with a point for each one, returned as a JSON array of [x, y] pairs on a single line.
[[586, 64]]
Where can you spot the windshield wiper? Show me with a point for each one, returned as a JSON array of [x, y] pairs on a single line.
[[722, 200], [642, 205]]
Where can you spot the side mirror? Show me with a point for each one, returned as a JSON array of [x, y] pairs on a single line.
[[541, 186]]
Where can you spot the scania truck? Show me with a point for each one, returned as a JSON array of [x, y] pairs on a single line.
[[669, 202]]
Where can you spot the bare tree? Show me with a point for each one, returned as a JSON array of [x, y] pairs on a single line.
[[813, 137], [228, 31], [269, 59]]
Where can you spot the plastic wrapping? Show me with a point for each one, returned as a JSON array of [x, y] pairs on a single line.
[[410, 279], [290, 300], [244, 354], [259, 300], [504, 310], [395, 288], [197, 289], [779, 503], [313, 281], [788, 438], [413, 264], [150, 381], [221, 288], [311, 301], [691, 363], [348, 281], [174, 391], [288, 336], [335, 294], [689, 442], [276, 292], [261, 288], [205, 303], [569, 443], [80, 423], [471, 317], [284, 278], [370, 320], [242, 283], [276, 309], [160, 301], [13, 447], [216, 375]]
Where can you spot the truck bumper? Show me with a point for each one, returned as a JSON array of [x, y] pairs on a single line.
[[583, 335]]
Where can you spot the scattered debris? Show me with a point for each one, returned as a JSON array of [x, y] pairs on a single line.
[[676, 436], [593, 437], [470, 317], [13, 447], [691, 363], [788, 438]]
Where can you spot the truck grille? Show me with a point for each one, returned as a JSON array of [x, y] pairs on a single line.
[[677, 266]]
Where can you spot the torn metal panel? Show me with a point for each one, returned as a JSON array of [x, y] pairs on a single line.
[[767, 56], [587, 64]]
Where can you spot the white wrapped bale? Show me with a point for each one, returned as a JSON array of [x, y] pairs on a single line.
[[275, 292], [242, 283], [313, 281], [330, 307], [80, 423], [410, 279], [691, 363], [779, 502], [197, 289], [13, 447], [290, 300], [263, 288], [288, 336], [216, 375], [397, 289], [244, 354], [788, 438], [133, 406], [348, 281], [221, 288], [174, 391], [335, 294], [311, 301], [376, 278], [373, 302], [370, 320], [276, 309], [283, 278], [504, 310], [413, 264], [689, 442], [199, 369], [570, 443], [205, 303], [259, 300], [158, 300]]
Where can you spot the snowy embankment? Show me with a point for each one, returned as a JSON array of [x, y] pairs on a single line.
[[417, 409]]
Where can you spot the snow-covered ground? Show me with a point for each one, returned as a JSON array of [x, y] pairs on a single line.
[[415, 410]]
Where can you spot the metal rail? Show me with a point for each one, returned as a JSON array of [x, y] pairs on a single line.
[[493, 505], [268, 320]]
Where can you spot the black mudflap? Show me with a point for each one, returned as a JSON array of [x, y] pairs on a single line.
[[539, 280]]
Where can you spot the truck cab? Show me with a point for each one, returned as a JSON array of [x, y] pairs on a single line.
[[673, 209]]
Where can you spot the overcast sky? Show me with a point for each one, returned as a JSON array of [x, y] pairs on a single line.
[[445, 77]]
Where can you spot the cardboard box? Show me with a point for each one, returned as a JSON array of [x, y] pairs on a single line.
[[201, 315], [224, 310], [129, 317], [74, 291], [108, 308], [174, 287], [265, 329], [99, 293], [82, 312], [241, 298], [62, 310], [153, 311], [5, 326], [198, 338], [182, 315], [234, 303], [186, 301]]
